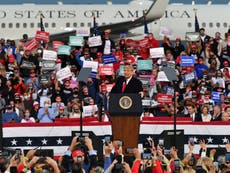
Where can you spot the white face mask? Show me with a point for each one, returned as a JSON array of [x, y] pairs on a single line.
[[46, 105], [21, 53], [39, 51]]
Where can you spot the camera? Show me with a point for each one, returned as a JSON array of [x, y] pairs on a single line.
[[81, 139], [227, 157], [18, 153], [107, 140], [161, 143], [191, 142]]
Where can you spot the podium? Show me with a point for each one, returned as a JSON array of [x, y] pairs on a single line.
[[125, 110]]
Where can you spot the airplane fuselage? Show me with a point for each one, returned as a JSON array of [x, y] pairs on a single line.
[[15, 20]]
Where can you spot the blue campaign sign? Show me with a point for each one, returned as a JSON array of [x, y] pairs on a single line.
[[109, 59], [189, 77], [216, 96], [187, 60]]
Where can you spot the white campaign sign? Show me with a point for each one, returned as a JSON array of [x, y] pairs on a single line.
[[91, 64], [63, 73], [83, 31], [94, 41], [49, 55], [157, 52]]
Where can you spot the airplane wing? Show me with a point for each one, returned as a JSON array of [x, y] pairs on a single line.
[[155, 11]]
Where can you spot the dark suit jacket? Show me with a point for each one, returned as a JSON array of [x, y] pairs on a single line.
[[197, 117], [134, 86]]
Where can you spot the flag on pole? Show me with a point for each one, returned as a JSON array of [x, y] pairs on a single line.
[[42, 28], [95, 27], [146, 31], [197, 27]]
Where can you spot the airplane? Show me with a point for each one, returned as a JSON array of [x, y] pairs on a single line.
[[61, 20]]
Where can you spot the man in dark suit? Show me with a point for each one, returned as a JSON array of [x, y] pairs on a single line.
[[128, 83], [192, 113]]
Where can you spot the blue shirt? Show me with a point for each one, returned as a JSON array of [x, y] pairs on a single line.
[[6, 117], [46, 118]]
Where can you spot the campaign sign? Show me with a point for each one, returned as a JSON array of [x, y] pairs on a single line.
[[189, 77], [64, 50], [109, 59], [88, 110], [42, 36], [105, 70], [63, 73], [56, 44], [192, 36], [216, 96], [144, 64], [49, 55], [164, 98], [170, 90], [48, 65], [157, 52], [31, 45], [75, 40], [187, 61], [121, 70], [94, 41], [83, 31], [165, 31], [91, 64]]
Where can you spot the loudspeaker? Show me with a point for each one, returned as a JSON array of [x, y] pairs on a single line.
[[168, 141]]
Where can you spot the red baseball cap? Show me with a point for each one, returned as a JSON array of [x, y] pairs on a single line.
[[77, 153]]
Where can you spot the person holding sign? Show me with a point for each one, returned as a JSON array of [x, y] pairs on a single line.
[[107, 43], [128, 83]]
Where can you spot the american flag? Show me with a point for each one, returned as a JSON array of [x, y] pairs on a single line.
[[58, 136]]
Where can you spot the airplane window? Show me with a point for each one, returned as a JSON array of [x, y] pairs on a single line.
[[32, 25], [46, 25], [17, 25], [203, 24], [24, 25], [10, 25], [210, 25], [67, 24], [103, 23], [189, 25], [53, 25], [38, 25], [82, 24], [89, 24], [217, 24], [74, 24], [3, 25], [225, 25]]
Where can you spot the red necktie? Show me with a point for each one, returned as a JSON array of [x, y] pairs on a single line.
[[123, 87]]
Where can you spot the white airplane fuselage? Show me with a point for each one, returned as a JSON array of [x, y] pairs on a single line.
[[16, 20]]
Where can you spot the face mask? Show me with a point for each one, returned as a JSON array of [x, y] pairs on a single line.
[[39, 51], [21, 53], [46, 105]]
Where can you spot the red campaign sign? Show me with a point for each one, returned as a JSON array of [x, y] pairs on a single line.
[[56, 44], [164, 98], [31, 45], [42, 36], [137, 43], [106, 70]]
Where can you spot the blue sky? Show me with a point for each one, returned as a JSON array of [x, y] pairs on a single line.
[[99, 1]]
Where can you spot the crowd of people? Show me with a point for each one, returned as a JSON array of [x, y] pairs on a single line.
[[202, 91], [82, 157]]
